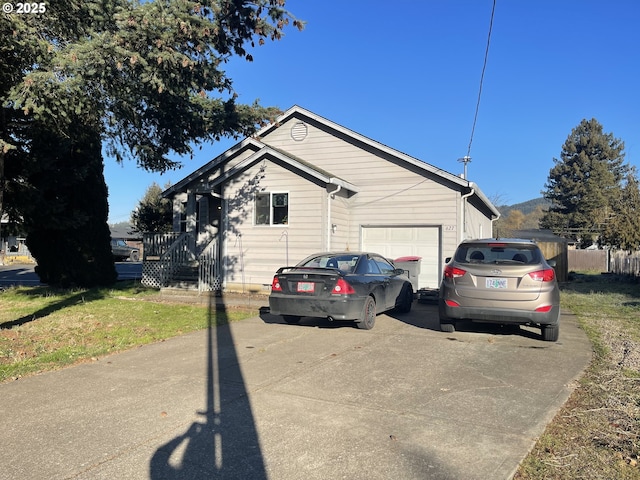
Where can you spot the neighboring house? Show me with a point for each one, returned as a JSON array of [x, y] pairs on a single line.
[[306, 184], [13, 248]]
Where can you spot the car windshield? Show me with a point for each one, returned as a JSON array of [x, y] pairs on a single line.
[[498, 253], [346, 263]]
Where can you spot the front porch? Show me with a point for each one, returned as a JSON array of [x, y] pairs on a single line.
[[175, 260]]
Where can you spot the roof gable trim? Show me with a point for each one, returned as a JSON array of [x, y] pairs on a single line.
[[303, 167]]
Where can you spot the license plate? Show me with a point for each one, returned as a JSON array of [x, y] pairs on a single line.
[[496, 283], [306, 287]]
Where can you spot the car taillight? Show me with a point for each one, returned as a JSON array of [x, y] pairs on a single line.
[[546, 275], [451, 303], [342, 287], [275, 285], [453, 272]]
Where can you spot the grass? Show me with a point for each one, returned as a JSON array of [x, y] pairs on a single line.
[[45, 329], [596, 435]]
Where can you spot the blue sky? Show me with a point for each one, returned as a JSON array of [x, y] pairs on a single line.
[[407, 73]]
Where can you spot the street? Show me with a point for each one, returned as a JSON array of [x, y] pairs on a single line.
[[24, 274]]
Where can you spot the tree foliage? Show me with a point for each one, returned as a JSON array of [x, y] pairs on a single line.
[[623, 229], [585, 184], [148, 76], [154, 213], [515, 219], [145, 78]]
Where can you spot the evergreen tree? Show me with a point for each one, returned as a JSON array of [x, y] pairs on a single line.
[[623, 229], [585, 183], [66, 210], [143, 77], [154, 213]]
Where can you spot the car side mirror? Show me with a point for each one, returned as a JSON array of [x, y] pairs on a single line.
[[400, 271], [552, 263], [447, 260]]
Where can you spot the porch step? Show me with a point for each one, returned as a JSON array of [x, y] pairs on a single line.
[[186, 278]]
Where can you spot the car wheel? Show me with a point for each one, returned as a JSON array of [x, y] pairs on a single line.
[[550, 333], [447, 325], [368, 316], [291, 319], [406, 299], [135, 256]]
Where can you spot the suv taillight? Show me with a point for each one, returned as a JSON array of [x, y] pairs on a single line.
[[453, 272], [546, 275], [275, 285]]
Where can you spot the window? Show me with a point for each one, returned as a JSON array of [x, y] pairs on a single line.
[[272, 209], [385, 267], [183, 217]]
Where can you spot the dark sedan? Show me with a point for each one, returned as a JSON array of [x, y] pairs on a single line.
[[340, 286]]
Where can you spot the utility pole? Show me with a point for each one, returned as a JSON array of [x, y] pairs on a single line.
[[466, 159]]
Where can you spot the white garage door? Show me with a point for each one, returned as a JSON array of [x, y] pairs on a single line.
[[418, 241]]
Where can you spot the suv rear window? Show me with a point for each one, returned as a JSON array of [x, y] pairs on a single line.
[[498, 253]]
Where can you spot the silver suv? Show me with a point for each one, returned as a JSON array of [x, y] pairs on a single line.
[[505, 281]]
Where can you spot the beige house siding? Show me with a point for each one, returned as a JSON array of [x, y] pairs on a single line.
[[253, 252]]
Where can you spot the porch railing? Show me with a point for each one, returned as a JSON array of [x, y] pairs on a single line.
[[166, 255], [208, 272]]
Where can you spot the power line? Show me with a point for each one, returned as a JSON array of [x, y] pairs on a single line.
[[484, 67]]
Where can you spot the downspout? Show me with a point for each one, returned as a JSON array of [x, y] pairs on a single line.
[[330, 195], [493, 220], [463, 200]]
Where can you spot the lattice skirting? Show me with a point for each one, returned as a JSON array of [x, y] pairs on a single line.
[[214, 285], [151, 274], [152, 277]]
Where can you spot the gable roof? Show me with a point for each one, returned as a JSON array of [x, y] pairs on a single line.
[[288, 161], [301, 113], [262, 150]]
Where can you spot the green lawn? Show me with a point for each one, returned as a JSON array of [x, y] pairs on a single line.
[[43, 329]]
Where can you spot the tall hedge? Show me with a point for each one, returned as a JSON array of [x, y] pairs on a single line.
[[66, 215]]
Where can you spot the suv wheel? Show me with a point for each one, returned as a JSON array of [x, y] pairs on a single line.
[[447, 325], [550, 333]]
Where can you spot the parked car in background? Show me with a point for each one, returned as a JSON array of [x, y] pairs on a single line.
[[340, 286], [121, 251], [506, 281]]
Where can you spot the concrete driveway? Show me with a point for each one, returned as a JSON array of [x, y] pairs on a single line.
[[260, 399]]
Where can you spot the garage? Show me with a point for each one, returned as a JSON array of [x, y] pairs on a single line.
[[412, 240]]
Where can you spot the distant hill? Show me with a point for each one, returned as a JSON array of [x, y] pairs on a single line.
[[525, 207]]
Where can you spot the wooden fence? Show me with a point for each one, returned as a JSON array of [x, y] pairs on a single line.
[[606, 261], [624, 263], [588, 260]]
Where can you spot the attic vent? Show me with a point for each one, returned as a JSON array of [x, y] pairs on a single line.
[[299, 131]]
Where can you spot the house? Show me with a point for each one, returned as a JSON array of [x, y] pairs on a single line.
[[305, 184]]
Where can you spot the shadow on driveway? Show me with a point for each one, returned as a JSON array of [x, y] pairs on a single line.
[[225, 443]]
